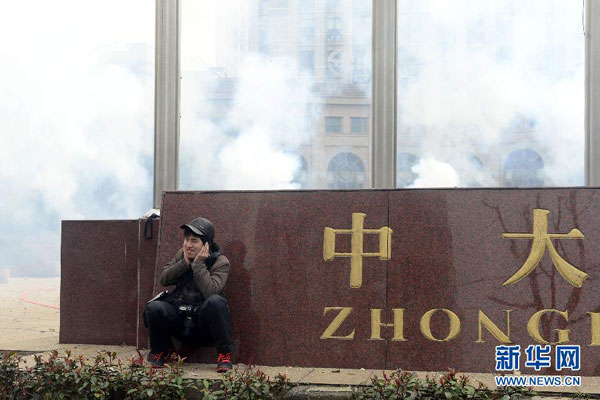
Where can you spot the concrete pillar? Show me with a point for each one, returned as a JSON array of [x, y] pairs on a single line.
[[384, 94], [166, 98]]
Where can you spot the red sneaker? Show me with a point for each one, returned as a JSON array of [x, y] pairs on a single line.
[[224, 362], [159, 360]]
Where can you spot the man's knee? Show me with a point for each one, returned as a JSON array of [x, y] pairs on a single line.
[[156, 311], [215, 303]]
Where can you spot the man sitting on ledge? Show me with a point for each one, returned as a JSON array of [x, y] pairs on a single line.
[[196, 310]]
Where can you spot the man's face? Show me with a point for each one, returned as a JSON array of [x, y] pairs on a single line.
[[191, 246]]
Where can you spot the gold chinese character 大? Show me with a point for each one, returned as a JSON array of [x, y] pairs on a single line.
[[356, 254], [542, 240]]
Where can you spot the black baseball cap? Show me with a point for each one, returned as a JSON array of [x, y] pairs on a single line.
[[201, 227]]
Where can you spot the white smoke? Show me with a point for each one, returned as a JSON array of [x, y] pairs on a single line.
[[251, 142], [435, 174], [268, 114], [480, 66], [76, 106]]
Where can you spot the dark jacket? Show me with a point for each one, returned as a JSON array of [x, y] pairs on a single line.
[[196, 282]]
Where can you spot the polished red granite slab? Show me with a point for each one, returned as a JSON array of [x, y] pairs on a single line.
[[98, 271], [449, 253], [107, 274]]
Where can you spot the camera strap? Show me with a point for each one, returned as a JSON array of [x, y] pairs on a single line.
[[158, 296]]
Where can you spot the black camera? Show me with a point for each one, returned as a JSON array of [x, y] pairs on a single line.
[[187, 312]]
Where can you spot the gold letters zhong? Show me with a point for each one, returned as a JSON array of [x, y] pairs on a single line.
[[483, 321]]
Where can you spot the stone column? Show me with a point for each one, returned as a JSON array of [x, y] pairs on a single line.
[[166, 98], [384, 94]]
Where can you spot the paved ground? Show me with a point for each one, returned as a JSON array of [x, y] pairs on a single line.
[[29, 313], [30, 323]]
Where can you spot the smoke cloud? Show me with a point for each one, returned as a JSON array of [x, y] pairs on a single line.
[[77, 88], [471, 73], [269, 115], [432, 173], [248, 137], [76, 107]]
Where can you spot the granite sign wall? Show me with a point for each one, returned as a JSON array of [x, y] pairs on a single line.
[[413, 279]]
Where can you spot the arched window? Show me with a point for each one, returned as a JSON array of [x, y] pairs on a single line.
[[301, 175], [524, 167], [475, 162], [345, 171], [472, 173], [405, 176]]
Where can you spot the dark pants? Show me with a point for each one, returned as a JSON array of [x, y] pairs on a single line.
[[212, 323]]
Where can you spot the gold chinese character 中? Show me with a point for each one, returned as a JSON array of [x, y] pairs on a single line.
[[542, 240], [356, 254]]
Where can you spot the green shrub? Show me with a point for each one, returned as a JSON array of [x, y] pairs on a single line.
[[251, 384], [405, 385], [9, 374], [107, 377], [246, 383], [104, 377]]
